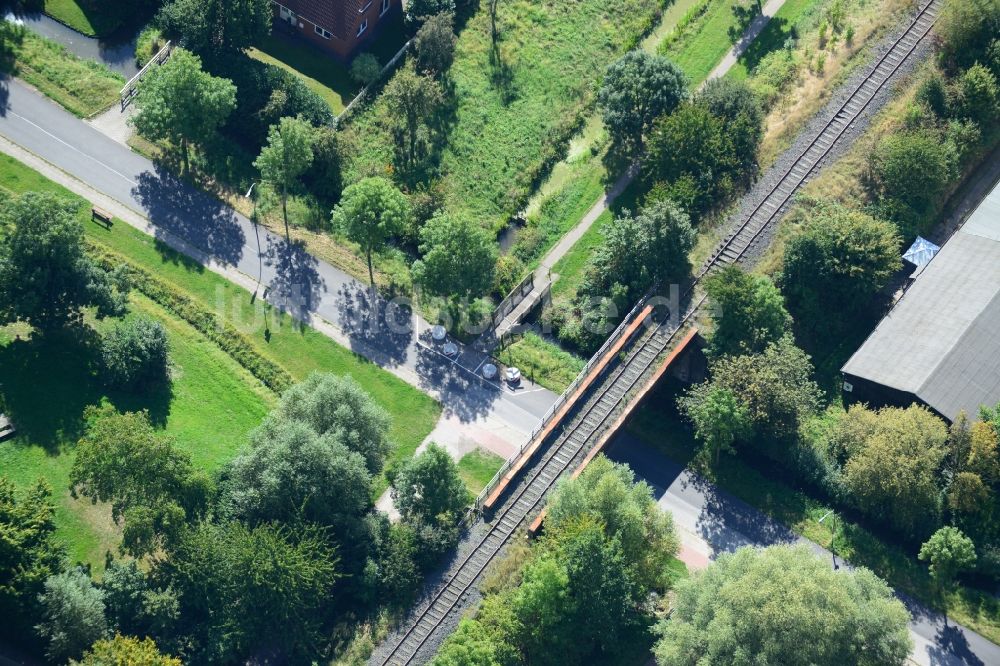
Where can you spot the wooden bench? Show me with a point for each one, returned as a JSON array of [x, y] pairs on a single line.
[[102, 216]]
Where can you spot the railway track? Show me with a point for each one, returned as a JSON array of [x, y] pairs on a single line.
[[590, 419]]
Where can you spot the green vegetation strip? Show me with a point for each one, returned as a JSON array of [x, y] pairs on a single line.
[[295, 348], [82, 87], [801, 513]]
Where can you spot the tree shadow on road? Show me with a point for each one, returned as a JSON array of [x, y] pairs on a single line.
[[382, 330], [297, 285], [177, 208], [463, 394]]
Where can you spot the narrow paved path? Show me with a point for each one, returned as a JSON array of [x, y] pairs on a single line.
[[152, 199], [544, 277], [711, 521]]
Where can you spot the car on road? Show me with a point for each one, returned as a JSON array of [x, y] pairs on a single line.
[[513, 376], [438, 333], [450, 349]]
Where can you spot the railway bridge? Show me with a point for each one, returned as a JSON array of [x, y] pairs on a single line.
[[623, 371]]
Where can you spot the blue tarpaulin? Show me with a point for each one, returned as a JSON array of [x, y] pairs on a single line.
[[921, 252]]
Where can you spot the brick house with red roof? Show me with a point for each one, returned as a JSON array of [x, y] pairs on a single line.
[[337, 26]]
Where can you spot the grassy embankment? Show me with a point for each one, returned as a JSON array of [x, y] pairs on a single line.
[[85, 16], [213, 402]]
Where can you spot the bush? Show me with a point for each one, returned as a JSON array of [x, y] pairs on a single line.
[[977, 96], [417, 11], [135, 353], [148, 44], [509, 272], [365, 69], [774, 74], [912, 169], [966, 29], [435, 44], [224, 335]]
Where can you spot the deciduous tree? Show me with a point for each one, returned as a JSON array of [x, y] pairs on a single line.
[[458, 257], [719, 418], [182, 104], [434, 44], [46, 279], [415, 99], [135, 353], [638, 89], [215, 27], [428, 487], [749, 312], [948, 553], [371, 212], [287, 155], [783, 605]]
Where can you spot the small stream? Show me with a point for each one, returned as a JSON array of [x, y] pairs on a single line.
[[117, 52]]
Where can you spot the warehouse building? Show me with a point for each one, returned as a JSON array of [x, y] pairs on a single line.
[[940, 343]]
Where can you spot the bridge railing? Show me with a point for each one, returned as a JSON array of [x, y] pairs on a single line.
[[615, 336], [132, 87]]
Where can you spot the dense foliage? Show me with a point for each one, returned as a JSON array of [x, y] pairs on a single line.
[[748, 312], [135, 354], [783, 605], [370, 213], [213, 27], [46, 279]]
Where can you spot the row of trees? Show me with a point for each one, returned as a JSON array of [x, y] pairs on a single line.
[[261, 559]]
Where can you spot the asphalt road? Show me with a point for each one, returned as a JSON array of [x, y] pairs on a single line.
[[710, 521], [388, 333]]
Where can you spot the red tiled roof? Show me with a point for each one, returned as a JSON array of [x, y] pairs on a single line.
[[338, 16]]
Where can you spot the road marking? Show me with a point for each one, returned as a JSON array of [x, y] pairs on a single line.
[[74, 148]]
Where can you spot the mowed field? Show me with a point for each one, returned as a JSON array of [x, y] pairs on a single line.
[[213, 402]]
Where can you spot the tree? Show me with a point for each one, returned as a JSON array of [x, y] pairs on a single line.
[[609, 493], [135, 353], [719, 418], [414, 98], [429, 488], [912, 168], [246, 591], [839, 259], [692, 158], [217, 27], [783, 605], [336, 405], [29, 553], [965, 29], [290, 473], [979, 98], [287, 155], [638, 89], [126, 651], [182, 104], [434, 44], [458, 257], [749, 312], [743, 116], [150, 484], [323, 178], [365, 69], [46, 278], [893, 474], [640, 251], [72, 615], [948, 552], [371, 212], [418, 11], [775, 386]]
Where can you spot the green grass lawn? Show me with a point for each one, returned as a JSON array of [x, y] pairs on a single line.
[[775, 34], [210, 407], [325, 76], [699, 45], [86, 16], [82, 87], [658, 424], [510, 117], [477, 468], [543, 362], [298, 349]]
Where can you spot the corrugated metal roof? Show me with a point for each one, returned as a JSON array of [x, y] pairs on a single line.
[[941, 341]]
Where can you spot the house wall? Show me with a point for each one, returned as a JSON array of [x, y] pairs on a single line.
[[341, 40]]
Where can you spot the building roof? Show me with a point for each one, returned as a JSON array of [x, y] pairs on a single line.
[[338, 16], [941, 341]]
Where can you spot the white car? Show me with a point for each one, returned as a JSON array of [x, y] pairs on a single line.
[[489, 371], [450, 349], [438, 333], [513, 376]]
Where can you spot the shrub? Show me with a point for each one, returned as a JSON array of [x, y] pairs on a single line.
[[417, 11], [135, 353], [966, 29], [977, 96], [509, 272], [365, 69], [913, 169], [72, 615], [435, 44]]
